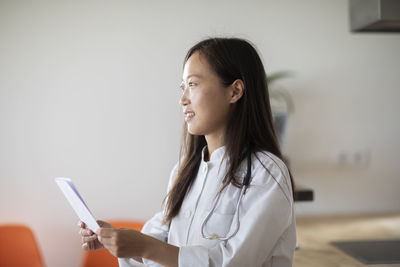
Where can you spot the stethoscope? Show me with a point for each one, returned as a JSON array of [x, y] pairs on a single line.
[[246, 182]]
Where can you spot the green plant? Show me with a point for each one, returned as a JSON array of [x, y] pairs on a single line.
[[281, 100]]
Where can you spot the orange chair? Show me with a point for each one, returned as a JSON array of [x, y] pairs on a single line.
[[18, 247], [100, 258]]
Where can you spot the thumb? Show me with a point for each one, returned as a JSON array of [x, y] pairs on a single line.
[[104, 224]]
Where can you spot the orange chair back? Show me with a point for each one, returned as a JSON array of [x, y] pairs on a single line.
[[103, 258], [18, 247]]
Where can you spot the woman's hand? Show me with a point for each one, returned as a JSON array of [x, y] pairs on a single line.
[[122, 243], [128, 243], [89, 239]]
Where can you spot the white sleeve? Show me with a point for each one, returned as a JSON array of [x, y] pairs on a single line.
[[153, 227], [266, 212]]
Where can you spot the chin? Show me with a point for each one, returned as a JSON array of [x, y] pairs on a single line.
[[193, 130]]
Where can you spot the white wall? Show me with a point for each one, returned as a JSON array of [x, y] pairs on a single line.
[[89, 90]]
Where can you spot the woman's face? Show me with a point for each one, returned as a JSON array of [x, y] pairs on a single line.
[[205, 101]]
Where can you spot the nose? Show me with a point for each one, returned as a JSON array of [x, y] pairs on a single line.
[[184, 100]]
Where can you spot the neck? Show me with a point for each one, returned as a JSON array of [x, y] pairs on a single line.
[[213, 142]]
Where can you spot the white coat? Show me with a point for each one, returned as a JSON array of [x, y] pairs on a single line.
[[267, 233]]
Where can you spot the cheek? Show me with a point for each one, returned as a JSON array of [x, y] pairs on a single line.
[[211, 107], [204, 103], [211, 111]]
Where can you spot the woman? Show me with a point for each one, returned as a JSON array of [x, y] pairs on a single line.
[[211, 217]]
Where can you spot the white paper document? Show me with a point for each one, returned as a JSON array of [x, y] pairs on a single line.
[[77, 203]]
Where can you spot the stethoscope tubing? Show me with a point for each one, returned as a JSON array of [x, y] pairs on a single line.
[[246, 182]]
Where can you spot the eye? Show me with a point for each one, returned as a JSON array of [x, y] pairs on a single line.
[[191, 84]]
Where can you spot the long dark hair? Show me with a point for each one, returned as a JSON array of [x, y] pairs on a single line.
[[249, 128]]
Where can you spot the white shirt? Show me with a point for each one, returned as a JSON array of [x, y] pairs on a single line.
[[267, 233]]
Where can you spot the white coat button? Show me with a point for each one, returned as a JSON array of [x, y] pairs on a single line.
[[188, 213]]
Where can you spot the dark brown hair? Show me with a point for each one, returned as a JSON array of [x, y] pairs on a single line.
[[249, 128]]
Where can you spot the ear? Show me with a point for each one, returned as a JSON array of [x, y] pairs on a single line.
[[237, 90]]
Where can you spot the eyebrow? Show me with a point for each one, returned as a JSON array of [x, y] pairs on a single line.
[[194, 75]]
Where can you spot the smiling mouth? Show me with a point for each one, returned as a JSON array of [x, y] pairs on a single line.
[[189, 116]]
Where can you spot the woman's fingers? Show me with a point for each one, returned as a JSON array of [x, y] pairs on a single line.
[[87, 246], [91, 243], [89, 238], [85, 232], [90, 246]]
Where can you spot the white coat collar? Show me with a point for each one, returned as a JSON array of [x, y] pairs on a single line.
[[216, 156]]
